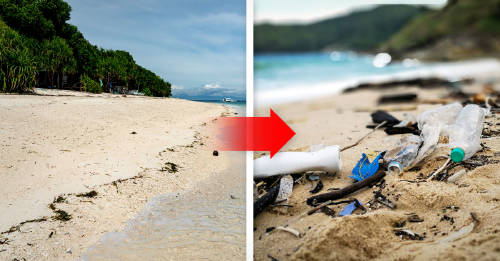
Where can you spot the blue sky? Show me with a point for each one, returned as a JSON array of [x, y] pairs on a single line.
[[301, 11], [197, 45]]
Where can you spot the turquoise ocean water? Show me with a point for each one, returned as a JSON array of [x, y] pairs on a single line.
[[289, 70], [239, 106]]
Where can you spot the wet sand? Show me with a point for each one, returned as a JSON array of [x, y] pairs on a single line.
[[341, 120], [119, 147], [206, 222]]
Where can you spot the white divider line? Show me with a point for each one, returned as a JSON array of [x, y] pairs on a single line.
[[249, 113]]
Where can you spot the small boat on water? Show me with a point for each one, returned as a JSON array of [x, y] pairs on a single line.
[[227, 99]]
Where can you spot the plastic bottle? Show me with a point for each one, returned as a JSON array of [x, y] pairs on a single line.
[[403, 155], [465, 134], [326, 159]]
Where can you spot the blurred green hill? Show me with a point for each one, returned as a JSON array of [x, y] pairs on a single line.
[[358, 31], [461, 29]]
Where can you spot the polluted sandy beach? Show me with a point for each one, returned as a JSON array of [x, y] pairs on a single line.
[[78, 169], [405, 217]]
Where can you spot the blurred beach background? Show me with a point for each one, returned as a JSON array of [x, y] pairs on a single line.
[[301, 53]]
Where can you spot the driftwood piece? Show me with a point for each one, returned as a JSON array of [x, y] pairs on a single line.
[[265, 200], [337, 194]]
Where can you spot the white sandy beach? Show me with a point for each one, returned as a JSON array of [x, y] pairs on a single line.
[[64, 145]]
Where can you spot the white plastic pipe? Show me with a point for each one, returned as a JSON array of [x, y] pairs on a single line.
[[326, 159]]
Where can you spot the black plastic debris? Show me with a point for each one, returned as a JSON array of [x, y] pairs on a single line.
[[328, 211], [397, 98], [266, 200], [215, 153], [408, 234], [413, 129], [269, 229], [381, 116], [317, 188]]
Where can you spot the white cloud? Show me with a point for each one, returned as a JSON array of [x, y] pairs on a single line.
[[177, 87], [211, 86]]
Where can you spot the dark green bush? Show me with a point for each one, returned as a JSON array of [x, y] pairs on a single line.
[[17, 63], [147, 92], [90, 85]]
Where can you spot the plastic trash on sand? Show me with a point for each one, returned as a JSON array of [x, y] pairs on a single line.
[[347, 210], [440, 116], [433, 123], [364, 168], [407, 121], [465, 134], [286, 188], [403, 155], [326, 159]]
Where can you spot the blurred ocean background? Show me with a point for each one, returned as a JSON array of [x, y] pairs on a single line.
[[286, 77]]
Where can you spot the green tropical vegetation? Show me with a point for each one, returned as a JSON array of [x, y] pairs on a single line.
[[37, 45], [462, 28], [359, 31]]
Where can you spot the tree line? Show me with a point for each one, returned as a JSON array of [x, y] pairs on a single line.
[[36, 41]]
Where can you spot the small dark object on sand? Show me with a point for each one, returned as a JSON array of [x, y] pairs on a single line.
[[266, 200], [215, 153], [394, 98], [317, 188], [51, 234], [415, 218], [59, 199], [269, 229], [413, 129], [133, 132], [89, 194], [61, 215], [382, 199], [170, 167], [448, 218], [333, 195], [272, 258], [381, 116], [328, 211], [407, 234]]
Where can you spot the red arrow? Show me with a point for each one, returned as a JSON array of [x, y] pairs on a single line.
[[253, 133]]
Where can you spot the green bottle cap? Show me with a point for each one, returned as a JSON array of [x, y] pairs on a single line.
[[457, 154]]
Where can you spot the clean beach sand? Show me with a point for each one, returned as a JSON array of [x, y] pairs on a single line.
[[120, 147], [341, 120]]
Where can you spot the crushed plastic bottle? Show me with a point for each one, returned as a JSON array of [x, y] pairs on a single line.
[[465, 134], [403, 155]]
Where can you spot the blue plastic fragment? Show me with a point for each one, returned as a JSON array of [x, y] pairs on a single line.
[[364, 168], [347, 210]]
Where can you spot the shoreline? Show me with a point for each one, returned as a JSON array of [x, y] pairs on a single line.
[[119, 196], [451, 71]]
